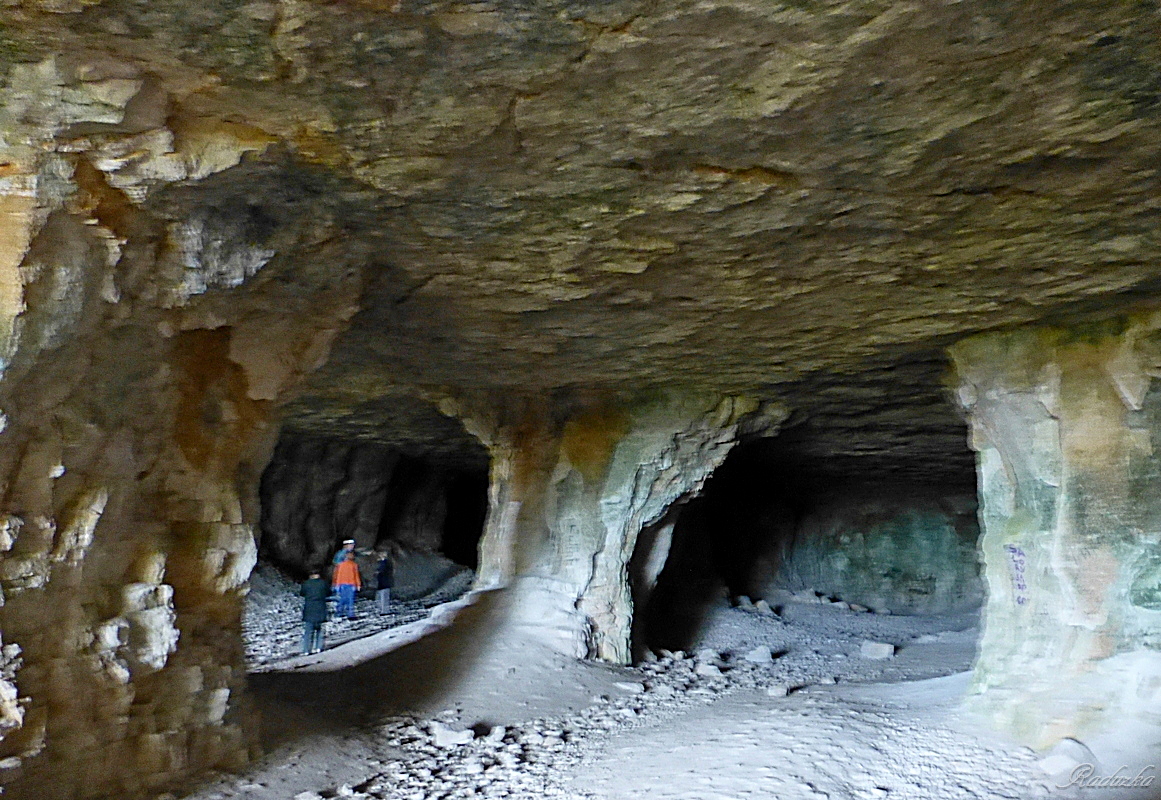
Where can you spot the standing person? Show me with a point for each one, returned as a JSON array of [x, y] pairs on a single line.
[[314, 612], [342, 553], [347, 581], [384, 580]]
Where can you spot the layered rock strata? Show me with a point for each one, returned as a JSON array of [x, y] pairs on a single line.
[[146, 338]]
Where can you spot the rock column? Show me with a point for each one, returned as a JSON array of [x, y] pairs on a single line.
[[1067, 428], [143, 352], [571, 491]]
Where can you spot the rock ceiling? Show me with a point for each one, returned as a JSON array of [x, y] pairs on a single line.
[[735, 194]]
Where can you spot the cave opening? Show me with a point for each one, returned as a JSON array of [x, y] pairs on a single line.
[[871, 508], [421, 512]]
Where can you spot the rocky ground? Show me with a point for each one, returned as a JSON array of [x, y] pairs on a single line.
[[272, 619], [817, 701]]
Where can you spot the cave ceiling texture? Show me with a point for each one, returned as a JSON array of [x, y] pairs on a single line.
[[805, 201]]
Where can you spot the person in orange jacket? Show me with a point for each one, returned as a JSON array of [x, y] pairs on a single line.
[[347, 581]]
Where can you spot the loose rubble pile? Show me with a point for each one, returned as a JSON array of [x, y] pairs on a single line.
[[272, 617]]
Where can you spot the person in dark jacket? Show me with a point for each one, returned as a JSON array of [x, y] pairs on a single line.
[[315, 590], [385, 577]]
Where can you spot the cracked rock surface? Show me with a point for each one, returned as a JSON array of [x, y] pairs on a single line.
[[707, 192]]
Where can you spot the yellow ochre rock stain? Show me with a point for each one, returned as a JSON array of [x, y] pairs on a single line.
[[589, 439]]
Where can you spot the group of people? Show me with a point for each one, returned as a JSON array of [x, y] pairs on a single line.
[[345, 584]]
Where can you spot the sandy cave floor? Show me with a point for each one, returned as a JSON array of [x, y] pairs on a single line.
[[430, 709]]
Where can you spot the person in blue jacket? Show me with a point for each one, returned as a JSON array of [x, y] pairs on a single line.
[[341, 555]]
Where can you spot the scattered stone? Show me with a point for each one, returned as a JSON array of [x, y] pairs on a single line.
[[762, 607], [860, 608], [780, 690], [743, 602], [707, 654], [708, 670], [1066, 756], [496, 734], [884, 611], [448, 737], [649, 657], [876, 650], [841, 605], [631, 687], [759, 655], [308, 796]]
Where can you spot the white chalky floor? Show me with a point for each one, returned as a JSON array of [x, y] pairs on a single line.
[[429, 710]]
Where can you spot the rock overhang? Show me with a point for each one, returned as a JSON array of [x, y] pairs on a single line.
[[754, 198]]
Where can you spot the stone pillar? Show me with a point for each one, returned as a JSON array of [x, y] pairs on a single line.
[[571, 491], [1067, 428], [142, 358]]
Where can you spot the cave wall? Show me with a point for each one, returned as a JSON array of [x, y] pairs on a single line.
[[419, 509], [572, 485], [902, 549], [316, 492], [320, 490], [170, 267], [144, 348], [1066, 424]]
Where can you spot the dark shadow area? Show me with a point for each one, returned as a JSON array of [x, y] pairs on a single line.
[[412, 678], [466, 513], [748, 507], [433, 507], [424, 514], [771, 493], [318, 491]]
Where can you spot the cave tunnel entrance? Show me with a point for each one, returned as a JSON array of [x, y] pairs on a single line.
[[870, 505], [423, 511]]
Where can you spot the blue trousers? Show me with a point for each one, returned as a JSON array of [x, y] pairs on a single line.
[[346, 606], [312, 636]]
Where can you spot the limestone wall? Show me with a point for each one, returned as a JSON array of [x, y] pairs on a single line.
[[893, 549], [1067, 428], [316, 492], [146, 336], [571, 492]]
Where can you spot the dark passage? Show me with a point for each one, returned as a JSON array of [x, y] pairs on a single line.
[[871, 504], [318, 491]]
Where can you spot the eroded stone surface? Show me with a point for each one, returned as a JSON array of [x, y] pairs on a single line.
[[570, 497], [1065, 424], [136, 407], [713, 193], [537, 205], [895, 550]]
